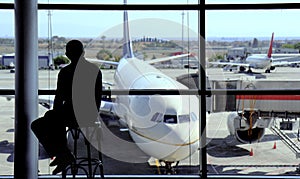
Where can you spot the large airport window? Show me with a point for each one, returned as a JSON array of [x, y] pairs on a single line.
[[7, 103], [153, 37], [252, 133], [119, 2], [153, 114], [248, 2]]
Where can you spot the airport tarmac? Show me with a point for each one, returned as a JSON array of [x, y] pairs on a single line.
[[224, 154], [270, 156]]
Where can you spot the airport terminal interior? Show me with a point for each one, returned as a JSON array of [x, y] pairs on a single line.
[[190, 88]]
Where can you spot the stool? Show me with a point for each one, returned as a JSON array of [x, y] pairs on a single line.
[[87, 164]]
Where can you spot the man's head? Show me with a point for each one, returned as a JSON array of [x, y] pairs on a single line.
[[74, 49]]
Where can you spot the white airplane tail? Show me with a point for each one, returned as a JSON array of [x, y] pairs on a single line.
[[271, 45], [127, 47]]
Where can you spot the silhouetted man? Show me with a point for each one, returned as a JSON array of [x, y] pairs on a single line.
[[77, 101]]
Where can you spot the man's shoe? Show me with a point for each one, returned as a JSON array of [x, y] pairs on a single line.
[[63, 162], [54, 162], [60, 168]]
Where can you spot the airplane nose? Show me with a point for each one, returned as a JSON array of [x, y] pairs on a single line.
[[183, 142], [183, 133]]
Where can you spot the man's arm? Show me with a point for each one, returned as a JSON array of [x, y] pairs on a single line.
[[58, 100], [98, 89]]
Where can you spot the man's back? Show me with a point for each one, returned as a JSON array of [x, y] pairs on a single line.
[[86, 92]]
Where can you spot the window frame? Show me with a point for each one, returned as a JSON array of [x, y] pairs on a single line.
[[202, 91]]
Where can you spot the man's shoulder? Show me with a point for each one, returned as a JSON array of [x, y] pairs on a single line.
[[66, 69]]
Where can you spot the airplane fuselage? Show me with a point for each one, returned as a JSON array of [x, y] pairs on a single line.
[[165, 127], [259, 62]]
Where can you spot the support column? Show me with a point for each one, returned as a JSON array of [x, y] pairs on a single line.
[[202, 87], [26, 89]]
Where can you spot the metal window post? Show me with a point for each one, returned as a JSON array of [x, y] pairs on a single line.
[[26, 89], [202, 87]]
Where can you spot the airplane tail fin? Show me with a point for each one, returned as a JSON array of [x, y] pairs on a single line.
[[127, 47], [271, 45]]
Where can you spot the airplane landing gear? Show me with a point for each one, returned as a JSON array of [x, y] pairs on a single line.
[[298, 169], [242, 69], [169, 169]]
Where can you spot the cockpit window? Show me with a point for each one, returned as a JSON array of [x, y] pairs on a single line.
[[157, 117], [187, 118], [184, 118], [193, 117], [171, 119]]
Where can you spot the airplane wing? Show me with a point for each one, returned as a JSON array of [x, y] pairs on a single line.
[[107, 108], [44, 100], [166, 58], [47, 101], [230, 63], [285, 59], [100, 62], [111, 112], [285, 54], [279, 63], [108, 83]]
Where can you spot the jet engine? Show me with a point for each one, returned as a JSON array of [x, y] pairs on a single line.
[[246, 128], [242, 68]]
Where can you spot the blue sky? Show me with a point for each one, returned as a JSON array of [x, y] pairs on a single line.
[[92, 24]]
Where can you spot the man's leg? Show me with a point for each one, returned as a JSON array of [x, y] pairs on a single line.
[[51, 135]]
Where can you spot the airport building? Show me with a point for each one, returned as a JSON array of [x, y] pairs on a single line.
[[194, 122], [8, 60]]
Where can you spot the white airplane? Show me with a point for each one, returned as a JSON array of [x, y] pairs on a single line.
[[259, 61], [166, 127]]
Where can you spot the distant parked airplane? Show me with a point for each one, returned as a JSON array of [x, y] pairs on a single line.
[[259, 61]]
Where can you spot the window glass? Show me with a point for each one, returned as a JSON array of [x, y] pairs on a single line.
[[157, 117], [120, 2], [154, 35], [244, 131], [7, 1], [6, 102], [7, 47], [184, 118], [171, 119], [7, 23], [7, 136], [248, 2]]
